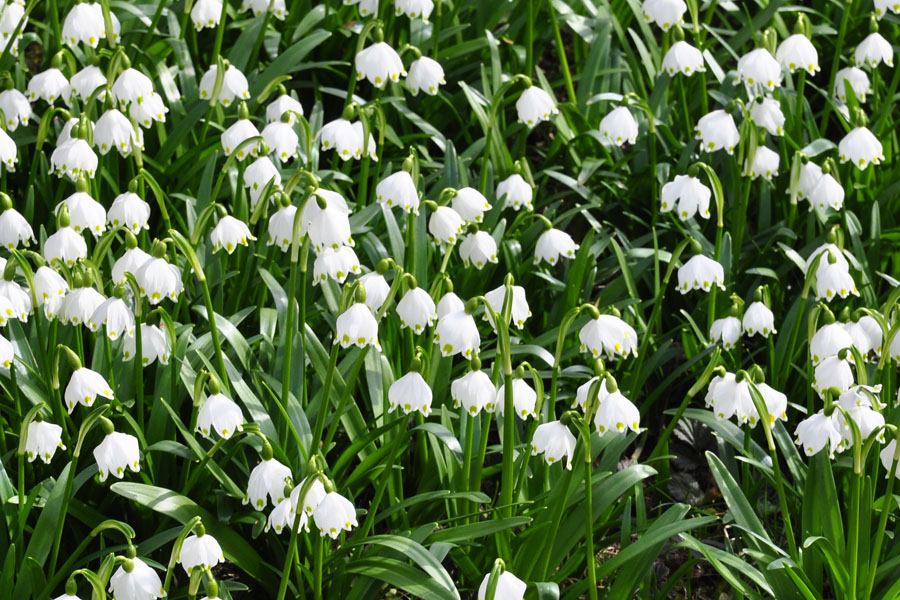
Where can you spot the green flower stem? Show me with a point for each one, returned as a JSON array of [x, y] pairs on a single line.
[[886, 509], [64, 508], [138, 375], [558, 510], [529, 38], [496, 102], [220, 33], [363, 532], [590, 558], [325, 402], [195, 476], [561, 52], [257, 45], [838, 49], [319, 544], [509, 415], [482, 452], [345, 398], [289, 330], [798, 107], [292, 546], [853, 540], [465, 479], [436, 28]]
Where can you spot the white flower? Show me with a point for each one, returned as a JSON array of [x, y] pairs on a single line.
[[85, 82], [222, 414], [797, 52], [258, 175], [267, 479], [114, 130], [398, 189], [73, 159], [683, 58], [84, 387], [16, 108], [157, 279], [818, 431], [416, 310], [239, 132], [867, 421], [150, 110], [85, 23], [115, 315], [535, 105], [832, 372], [410, 393], [357, 326], [234, 85], [116, 452], [688, 194], [616, 413], [859, 83], [619, 127], [727, 331], [860, 395], [524, 399], [554, 244], [7, 311], [474, 391], [861, 147], [873, 332], [260, 7], [281, 227], [729, 397], [776, 405], [85, 213], [445, 224], [887, 454], [130, 211], [765, 164], [19, 298], [759, 69], [42, 441], [833, 280], [665, 13], [15, 229], [10, 17], [131, 86], [284, 105], [478, 249], [377, 290], [554, 441], [767, 114], [758, 318], [49, 286], [449, 303], [7, 355], [131, 261], [414, 8], [328, 226], [229, 233], [313, 498], [206, 13], [341, 136], [520, 311], [832, 253], [282, 517], [154, 345], [66, 135], [515, 192], [717, 131], [367, 148], [281, 139], [336, 264], [425, 74], [9, 154], [700, 273], [379, 63], [610, 335], [470, 204], [200, 551], [48, 85], [873, 50], [457, 333], [334, 514], [366, 7], [810, 173], [142, 583], [827, 193], [881, 8], [79, 305]]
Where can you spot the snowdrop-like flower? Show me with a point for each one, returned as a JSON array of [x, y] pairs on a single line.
[[267, 479], [867, 421], [116, 452], [758, 318], [241, 131], [234, 85], [727, 331], [474, 391], [66, 133], [410, 393], [282, 517], [457, 333], [142, 583], [616, 413], [818, 431], [398, 189], [74, 159], [18, 298], [776, 405], [357, 326], [85, 213], [328, 227], [832, 252], [873, 50], [154, 346], [470, 204], [833, 280], [10, 17], [366, 147], [377, 290], [881, 8], [553, 245], [827, 193], [416, 310], [79, 305], [150, 110], [758, 68], [131, 86], [7, 355], [683, 58], [206, 13], [520, 310], [131, 261], [832, 372], [584, 390], [42, 441], [65, 247], [859, 83], [281, 227], [258, 175], [200, 551], [221, 413], [282, 140], [128, 210], [229, 233], [85, 24], [425, 74], [515, 192], [336, 264], [334, 514], [284, 105], [49, 285], [861, 147], [414, 9], [16, 108], [340, 135], [866, 334], [717, 131], [798, 52], [445, 224], [379, 63], [729, 395], [85, 82], [887, 454], [260, 7], [688, 195], [48, 85], [115, 315], [767, 114], [524, 399], [15, 229], [84, 387], [158, 279], [535, 105], [478, 249], [366, 7], [765, 164], [700, 273], [313, 498], [609, 335], [9, 154], [449, 303], [619, 126], [665, 13], [554, 441], [810, 173]]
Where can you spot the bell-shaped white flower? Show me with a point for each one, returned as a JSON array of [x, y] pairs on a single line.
[[524, 399], [554, 244], [258, 175], [520, 310], [832, 372], [829, 340], [758, 318], [700, 273], [515, 192], [873, 50], [767, 114], [881, 9], [810, 173], [445, 224], [776, 405], [616, 413], [759, 69], [206, 13], [765, 164], [281, 106], [618, 127], [872, 331], [342, 136], [42, 441], [16, 108], [84, 387], [157, 279], [282, 140], [79, 305], [114, 130], [12, 15], [221, 413], [85, 82], [150, 110], [727, 331], [858, 80], [9, 155], [142, 583], [819, 431], [535, 105], [665, 13], [335, 264], [887, 455], [457, 333], [85, 24], [239, 132], [281, 227], [474, 391], [449, 303], [357, 326], [414, 9], [717, 131], [398, 189], [425, 74], [234, 85], [326, 218], [115, 315], [687, 196], [131, 86], [200, 551], [259, 7], [833, 280], [798, 52], [831, 253], [267, 479], [282, 517], [334, 514], [130, 211], [15, 229], [827, 193], [609, 335], [861, 147], [49, 288], [470, 204], [85, 213], [555, 442], [478, 249], [229, 233], [379, 63], [729, 395], [114, 454], [74, 159], [867, 420], [7, 355], [47, 85], [313, 498], [154, 346], [377, 290], [19, 298], [130, 262], [683, 58], [416, 310], [410, 393]]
